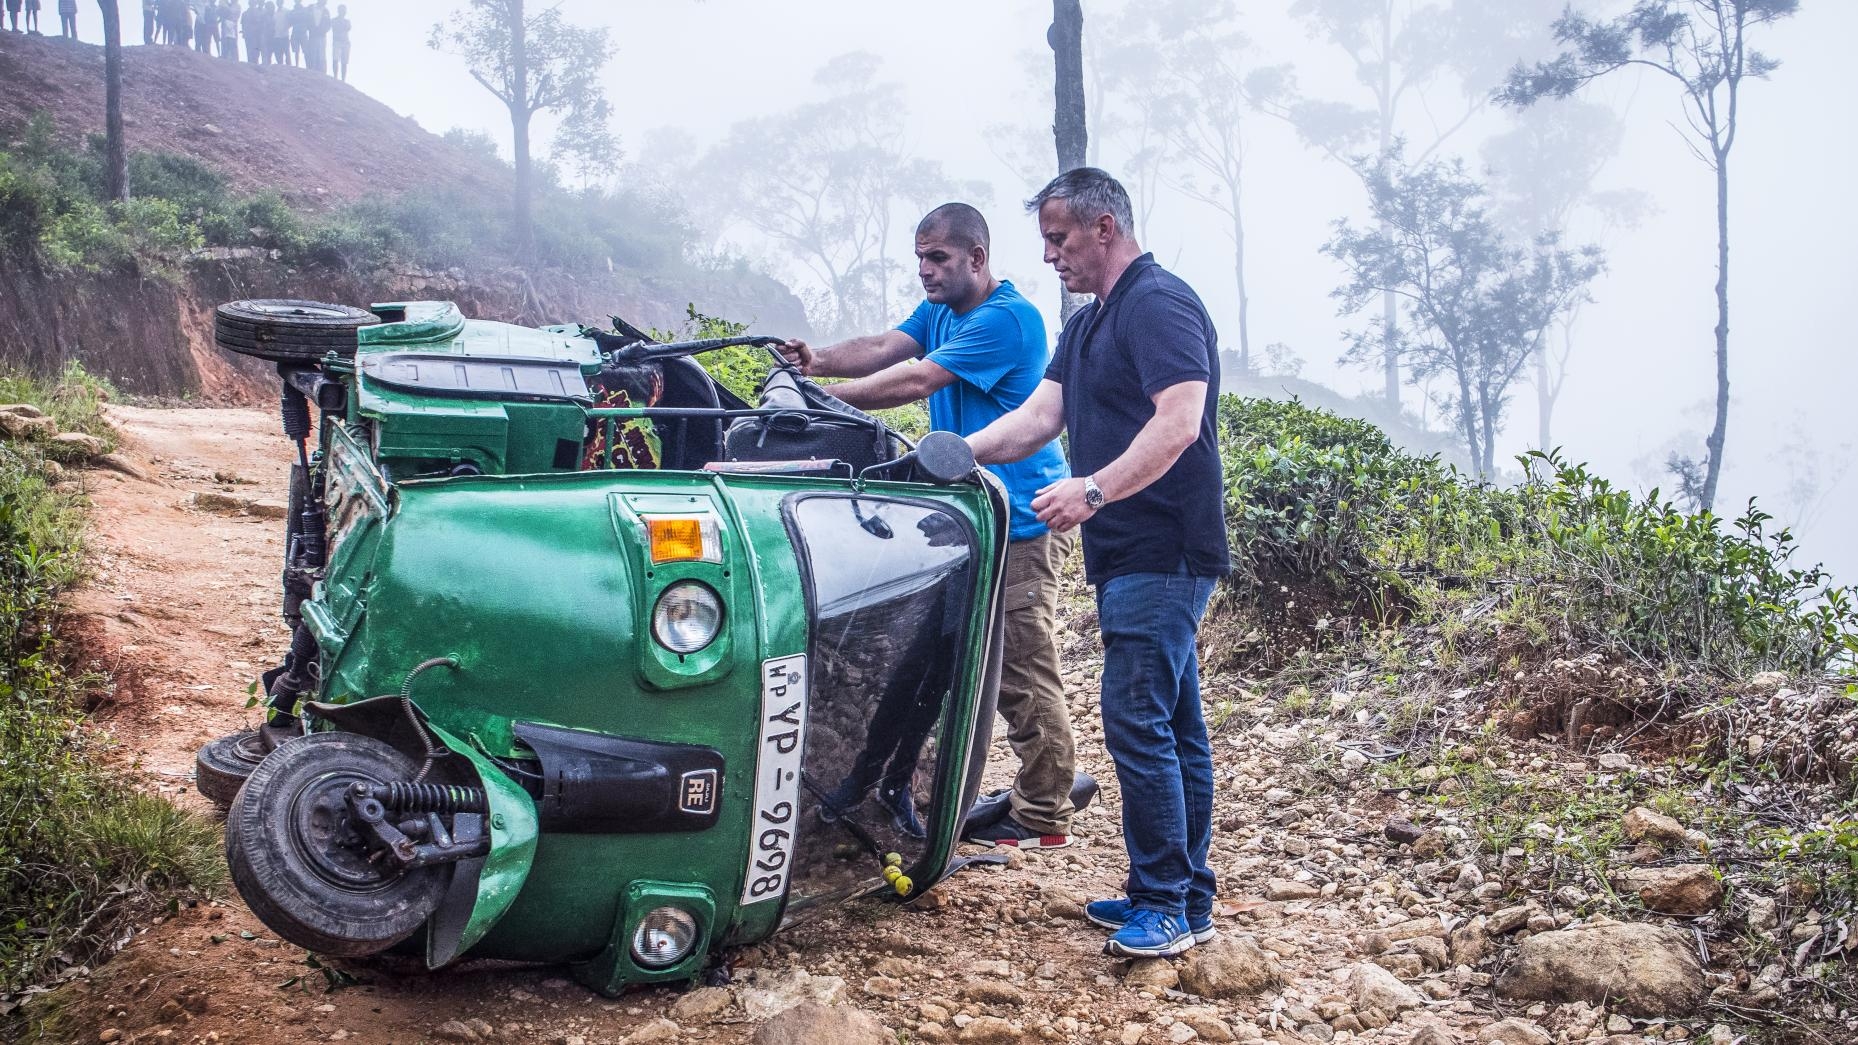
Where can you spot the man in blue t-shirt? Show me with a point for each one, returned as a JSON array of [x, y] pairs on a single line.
[[975, 350]]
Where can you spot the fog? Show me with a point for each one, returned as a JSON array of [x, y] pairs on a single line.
[[1641, 377]]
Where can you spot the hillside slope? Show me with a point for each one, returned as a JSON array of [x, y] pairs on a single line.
[[311, 138], [321, 146]]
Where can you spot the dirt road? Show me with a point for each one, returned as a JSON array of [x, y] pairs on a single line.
[[183, 607]]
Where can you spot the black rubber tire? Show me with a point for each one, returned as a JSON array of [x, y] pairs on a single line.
[[298, 863], [288, 331], [221, 767]]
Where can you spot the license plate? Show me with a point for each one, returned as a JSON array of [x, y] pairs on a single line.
[[777, 778]]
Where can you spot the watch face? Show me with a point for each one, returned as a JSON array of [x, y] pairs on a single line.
[[1093, 496]]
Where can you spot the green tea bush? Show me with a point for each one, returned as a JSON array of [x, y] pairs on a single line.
[[1316, 499], [77, 841]]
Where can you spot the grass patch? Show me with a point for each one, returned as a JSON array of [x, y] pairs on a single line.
[[79, 845]]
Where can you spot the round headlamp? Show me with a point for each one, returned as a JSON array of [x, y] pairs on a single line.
[[687, 618], [664, 937]]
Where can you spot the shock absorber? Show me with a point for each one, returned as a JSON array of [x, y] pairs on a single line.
[[431, 798]]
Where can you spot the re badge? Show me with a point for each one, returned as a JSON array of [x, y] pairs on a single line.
[[697, 795]]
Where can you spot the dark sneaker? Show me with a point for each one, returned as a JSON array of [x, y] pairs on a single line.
[[988, 809], [1114, 914], [902, 808], [840, 800], [1008, 831], [1150, 934]]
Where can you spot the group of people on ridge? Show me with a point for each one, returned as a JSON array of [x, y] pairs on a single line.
[[1134, 381], [302, 34], [275, 34]]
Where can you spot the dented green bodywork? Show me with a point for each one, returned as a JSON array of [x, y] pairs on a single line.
[[534, 580]]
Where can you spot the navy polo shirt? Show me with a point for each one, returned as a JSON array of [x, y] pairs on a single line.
[[1150, 333]]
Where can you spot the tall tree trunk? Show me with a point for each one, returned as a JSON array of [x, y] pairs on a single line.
[[1238, 272], [1720, 431], [1390, 307], [1069, 133], [115, 153], [522, 224], [1467, 413], [1544, 398]]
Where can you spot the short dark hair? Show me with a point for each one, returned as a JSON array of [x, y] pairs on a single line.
[[959, 223], [1089, 192]]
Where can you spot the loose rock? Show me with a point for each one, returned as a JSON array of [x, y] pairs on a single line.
[[1688, 890], [1228, 968], [1515, 1032], [810, 1023], [1644, 825], [1372, 987], [1640, 970]]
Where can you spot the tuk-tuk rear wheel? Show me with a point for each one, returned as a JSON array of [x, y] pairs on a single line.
[[303, 865]]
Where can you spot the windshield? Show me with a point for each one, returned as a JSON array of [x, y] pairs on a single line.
[[890, 592]]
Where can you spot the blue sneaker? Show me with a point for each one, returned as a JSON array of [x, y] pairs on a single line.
[[1150, 934], [1114, 914]]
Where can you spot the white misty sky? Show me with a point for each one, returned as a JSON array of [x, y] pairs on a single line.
[[1642, 370]]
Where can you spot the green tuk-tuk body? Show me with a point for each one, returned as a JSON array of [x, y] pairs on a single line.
[[540, 707]]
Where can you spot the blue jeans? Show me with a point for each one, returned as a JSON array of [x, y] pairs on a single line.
[[1154, 730]]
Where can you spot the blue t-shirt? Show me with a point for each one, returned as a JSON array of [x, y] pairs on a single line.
[[998, 355]]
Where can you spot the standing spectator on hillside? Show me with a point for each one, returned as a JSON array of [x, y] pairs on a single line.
[[299, 33], [280, 32], [317, 44], [12, 12], [206, 27], [67, 19], [229, 30], [32, 16], [151, 20], [340, 25], [252, 25]]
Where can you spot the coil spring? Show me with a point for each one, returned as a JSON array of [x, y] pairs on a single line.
[[433, 798]]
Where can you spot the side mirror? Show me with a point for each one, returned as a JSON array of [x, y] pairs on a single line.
[[944, 458]]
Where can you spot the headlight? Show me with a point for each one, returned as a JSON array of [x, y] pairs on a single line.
[[687, 617], [664, 937]]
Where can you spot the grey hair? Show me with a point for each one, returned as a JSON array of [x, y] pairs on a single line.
[[1089, 193]]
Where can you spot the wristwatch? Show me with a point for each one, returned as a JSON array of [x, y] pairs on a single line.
[[1093, 494]]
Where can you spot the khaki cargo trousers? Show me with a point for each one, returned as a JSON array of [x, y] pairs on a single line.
[[1031, 690]]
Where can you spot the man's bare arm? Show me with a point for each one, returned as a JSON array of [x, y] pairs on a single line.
[[853, 357], [907, 382], [1168, 434], [1020, 433]]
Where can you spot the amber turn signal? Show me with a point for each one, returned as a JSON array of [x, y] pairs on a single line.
[[683, 538]]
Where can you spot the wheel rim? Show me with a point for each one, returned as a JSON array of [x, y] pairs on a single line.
[[249, 747], [327, 838], [301, 310]]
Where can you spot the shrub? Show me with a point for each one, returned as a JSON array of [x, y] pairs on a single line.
[[77, 841], [1316, 499]]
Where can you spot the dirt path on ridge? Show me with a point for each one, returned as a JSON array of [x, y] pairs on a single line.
[[183, 609]]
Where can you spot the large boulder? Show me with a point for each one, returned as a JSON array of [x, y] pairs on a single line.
[[1228, 968], [810, 1023], [1636, 969], [1688, 890]]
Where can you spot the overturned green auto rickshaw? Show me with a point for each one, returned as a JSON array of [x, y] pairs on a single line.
[[593, 661]]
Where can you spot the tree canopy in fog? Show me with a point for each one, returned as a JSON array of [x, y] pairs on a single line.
[[1703, 46], [1475, 305]]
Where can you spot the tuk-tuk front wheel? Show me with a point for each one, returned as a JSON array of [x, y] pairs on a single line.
[[304, 864]]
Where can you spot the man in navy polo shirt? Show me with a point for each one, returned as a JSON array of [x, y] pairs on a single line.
[[1135, 380], [976, 349]]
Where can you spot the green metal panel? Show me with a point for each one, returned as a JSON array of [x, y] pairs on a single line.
[[513, 834]]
